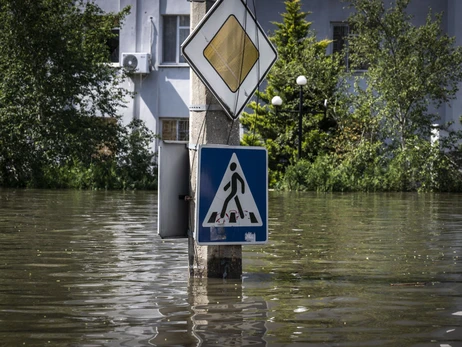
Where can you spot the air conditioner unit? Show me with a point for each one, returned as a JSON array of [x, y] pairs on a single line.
[[136, 62]]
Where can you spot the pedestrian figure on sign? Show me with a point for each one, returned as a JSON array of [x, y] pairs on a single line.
[[233, 193]]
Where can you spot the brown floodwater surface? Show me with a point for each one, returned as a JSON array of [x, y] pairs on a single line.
[[84, 268]]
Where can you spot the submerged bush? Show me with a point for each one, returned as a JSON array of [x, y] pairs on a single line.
[[122, 161], [424, 167]]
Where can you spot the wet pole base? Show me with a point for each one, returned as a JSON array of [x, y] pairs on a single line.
[[214, 261], [225, 262]]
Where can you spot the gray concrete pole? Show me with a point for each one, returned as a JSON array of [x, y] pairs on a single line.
[[208, 127]]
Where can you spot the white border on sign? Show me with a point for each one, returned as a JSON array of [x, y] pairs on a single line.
[[193, 51]]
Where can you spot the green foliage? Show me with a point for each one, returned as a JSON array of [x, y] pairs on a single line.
[[359, 170], [412, 69], [421, 167], [299, 53], [59, 99], [136, 160], [382, 136], [128, 165]]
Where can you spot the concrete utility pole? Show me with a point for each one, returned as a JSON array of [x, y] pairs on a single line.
[[209, 125]]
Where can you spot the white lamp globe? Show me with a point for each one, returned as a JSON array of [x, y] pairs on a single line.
[[301, 80], [276, 101]]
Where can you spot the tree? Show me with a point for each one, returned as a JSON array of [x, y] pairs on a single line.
[[57, 94], [383, 132], [299, 53], [413, 70]]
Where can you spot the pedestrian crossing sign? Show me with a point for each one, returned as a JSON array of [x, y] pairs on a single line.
[[232, 195]]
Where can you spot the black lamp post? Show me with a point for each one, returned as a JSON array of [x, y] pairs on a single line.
[[277, 101], [301, 81]]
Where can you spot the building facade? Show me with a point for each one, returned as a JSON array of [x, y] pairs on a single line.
[[156, 28]]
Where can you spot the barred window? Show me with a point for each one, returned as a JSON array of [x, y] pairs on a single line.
[[175, 129]]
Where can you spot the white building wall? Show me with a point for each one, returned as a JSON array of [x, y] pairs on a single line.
[[454, 29], [165, 91], [109, 5]]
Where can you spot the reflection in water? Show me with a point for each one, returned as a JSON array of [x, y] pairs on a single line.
[[88, 269], [218, 315]]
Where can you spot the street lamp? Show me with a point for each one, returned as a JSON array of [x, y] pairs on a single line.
[[277, 101], [301, 81]]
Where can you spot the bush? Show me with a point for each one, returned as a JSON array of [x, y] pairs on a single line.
[[136, 164], [359, 170], [370, 167], [123, 160], [423, 167]]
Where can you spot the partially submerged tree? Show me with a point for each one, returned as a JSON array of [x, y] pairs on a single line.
[[299, 53], [58, 96], [413, 70], [383, 135]]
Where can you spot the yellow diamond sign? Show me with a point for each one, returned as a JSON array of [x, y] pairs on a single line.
[[230, 53]]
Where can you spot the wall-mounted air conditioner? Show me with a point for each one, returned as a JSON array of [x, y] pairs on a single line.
[[136, 62]]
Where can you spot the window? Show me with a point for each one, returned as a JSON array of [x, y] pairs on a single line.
[[341, 31], [175, 31], [175, 129], [113, 44]]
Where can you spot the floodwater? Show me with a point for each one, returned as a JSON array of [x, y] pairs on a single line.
[[81, 268]]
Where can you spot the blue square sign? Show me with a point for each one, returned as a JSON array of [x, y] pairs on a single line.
[[232, 191]]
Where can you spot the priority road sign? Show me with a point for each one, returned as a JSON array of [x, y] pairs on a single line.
[[232, 195], [230, 53]]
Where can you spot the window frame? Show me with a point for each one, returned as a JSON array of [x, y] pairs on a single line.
[[179, 59], [114, 50], [181, 132], [346, 46]]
